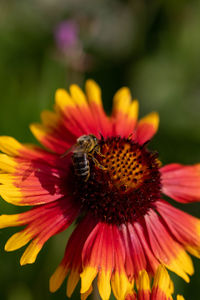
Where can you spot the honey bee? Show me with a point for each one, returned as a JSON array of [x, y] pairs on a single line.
[[84, 149]]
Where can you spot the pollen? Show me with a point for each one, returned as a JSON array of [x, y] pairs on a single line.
[[123, 185]]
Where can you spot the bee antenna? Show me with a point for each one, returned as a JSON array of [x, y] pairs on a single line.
[[102, 138], [130, 136], [146, 143]]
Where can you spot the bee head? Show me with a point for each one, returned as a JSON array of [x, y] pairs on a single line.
[[87, 141]]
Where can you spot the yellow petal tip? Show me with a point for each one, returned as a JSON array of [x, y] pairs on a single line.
[[9, 145], [152, 118], [87, 276], [57, 278], [93, 92]]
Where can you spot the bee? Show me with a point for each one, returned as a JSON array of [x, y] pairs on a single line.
[[84, 149]]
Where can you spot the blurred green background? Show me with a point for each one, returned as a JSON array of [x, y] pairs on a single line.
[[151, 46]]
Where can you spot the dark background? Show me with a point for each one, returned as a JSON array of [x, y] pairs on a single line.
[[151, 46]]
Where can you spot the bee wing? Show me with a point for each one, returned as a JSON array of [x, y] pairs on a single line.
[[72, 149]]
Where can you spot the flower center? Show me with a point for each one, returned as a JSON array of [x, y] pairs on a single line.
[[123, 184]]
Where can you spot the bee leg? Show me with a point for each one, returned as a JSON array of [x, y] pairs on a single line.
[[97, 150], [99, 153], [97, 163], [87, 177]]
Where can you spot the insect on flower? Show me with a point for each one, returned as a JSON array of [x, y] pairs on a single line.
[[85, 148], [113, 185]]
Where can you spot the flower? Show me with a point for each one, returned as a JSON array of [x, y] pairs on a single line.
[[66, 34], [70, 47], [113, 190]]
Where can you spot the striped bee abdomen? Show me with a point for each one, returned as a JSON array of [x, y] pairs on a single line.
[[81, 164]]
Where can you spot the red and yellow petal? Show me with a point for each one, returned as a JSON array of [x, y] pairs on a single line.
[[58, 277], [87, 122], [131, 296], [41, 223], [91, 111], [124, 114], [10, 146], [181, 183], [68, 112], [31, 190], [121, 285], [15, 153], [147, 128], [184, 227], [143, 284], [97, 256], [58, 131], [75, 115], [135, 260], [84, 296], [162, 285], [104, 275], [55, 138], [151, 260], [72, 260], [30, 176], [166, 249], [93, 93], [73, 111], [104, 255]]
